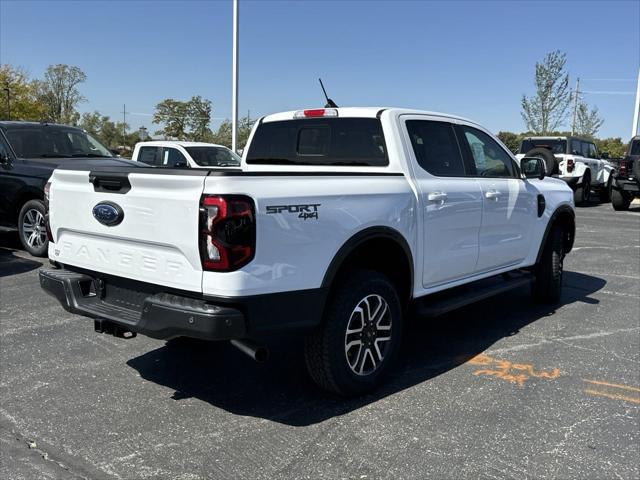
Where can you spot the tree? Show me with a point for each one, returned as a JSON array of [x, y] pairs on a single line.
[[588, 122], [511, 140], [23, 104], [199, 111], [614, 147], [547, 110], [59, 94], [223, 135]]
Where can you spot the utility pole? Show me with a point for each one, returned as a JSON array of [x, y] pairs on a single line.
[[575, 107], [636, 111], [124, 125], [7, 91], [234, 88]]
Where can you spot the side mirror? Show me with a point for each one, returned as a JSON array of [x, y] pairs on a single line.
[[533, 167], [604, 156], [4, 157]]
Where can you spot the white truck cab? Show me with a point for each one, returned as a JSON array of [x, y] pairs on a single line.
[[174, 154], [574, 160]]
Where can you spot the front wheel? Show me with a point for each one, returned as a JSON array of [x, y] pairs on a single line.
[[356, 344], [547, 283], [32, 229]]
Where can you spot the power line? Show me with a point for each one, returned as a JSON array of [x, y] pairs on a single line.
[[592, 92]]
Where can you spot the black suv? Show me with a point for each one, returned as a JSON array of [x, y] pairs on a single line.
[[29, 153], [626, 181]]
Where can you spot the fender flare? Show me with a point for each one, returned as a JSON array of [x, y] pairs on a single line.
[[561, 210], [370, 233]]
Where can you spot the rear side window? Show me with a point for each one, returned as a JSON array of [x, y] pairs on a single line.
[[436, 148], [150, 155], [576, 149], [323, 141]]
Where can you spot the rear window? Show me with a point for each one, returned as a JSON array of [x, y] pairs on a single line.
[[556, 146], [324, 141]]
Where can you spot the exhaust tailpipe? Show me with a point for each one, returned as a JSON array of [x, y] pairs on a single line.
[[259, 353]]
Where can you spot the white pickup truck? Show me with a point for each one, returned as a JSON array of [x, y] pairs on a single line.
[[339, 221], [171, 154], [574, 160]]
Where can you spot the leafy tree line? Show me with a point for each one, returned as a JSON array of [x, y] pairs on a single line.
[[55, 98]]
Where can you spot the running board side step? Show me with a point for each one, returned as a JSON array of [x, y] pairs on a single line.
[[442, 302]]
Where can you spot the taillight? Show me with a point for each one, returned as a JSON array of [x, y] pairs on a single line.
[[227, 232], [47, 228], [570, 165], [623, 167], [316, 112], [47, 190]]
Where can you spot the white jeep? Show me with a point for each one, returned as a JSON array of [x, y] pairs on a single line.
[[574, 160]]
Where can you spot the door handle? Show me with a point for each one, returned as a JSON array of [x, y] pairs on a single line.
[[437, 197], [492, 195]]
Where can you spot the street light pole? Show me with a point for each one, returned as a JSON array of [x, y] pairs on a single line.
[[636, 111], [234, 88]]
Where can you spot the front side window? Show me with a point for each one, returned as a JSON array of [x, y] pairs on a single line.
[[436, 147], [150, 155], [593, 152], [206, 156], [319, 141], [172, 157], [489, 158]]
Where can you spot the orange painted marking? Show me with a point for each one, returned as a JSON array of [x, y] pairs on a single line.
[[614, 396], [615, 385], [516, 373]]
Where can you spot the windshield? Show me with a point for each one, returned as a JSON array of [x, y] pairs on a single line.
[[213, 156], [556, 146], [52, 141]]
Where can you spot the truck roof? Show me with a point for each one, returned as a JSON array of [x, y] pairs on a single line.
[[364, 112], [168, 143], [26, 124], [556, 137]]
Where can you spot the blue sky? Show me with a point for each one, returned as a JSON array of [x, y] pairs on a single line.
[[474, 59]]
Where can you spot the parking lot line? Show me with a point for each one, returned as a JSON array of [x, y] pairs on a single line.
[[614, 396], [615, 385]]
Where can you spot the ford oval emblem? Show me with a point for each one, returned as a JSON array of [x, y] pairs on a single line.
[[108, 213]]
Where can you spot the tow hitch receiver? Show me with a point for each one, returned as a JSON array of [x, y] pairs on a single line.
[[102, 326]]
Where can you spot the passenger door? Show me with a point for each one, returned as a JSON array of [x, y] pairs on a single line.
[[509, 203], [451, 202]]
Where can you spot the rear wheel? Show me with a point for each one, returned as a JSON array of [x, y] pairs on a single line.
[[32, 229], [359, 338], [547, 283], [620, 200], [583, 192]]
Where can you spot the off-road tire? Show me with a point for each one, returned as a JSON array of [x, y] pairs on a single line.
[[620, 200], [547, 156], [547, 283], [39, 247], [583, 192], [605, 192], [325, 352]]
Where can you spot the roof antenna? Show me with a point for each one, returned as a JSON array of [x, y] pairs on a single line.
[[330, 103]]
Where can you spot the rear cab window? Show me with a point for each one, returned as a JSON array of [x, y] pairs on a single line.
[[319, 142]]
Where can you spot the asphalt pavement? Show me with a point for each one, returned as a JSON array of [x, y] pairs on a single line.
[[501, 389]]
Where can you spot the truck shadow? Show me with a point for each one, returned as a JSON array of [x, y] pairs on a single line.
[[281, 391], [11, 264]]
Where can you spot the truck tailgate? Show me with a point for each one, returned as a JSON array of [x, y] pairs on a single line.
[[156, 240]]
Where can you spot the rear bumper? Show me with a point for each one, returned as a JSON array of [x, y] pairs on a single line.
[[626, 185], [159, 315], [158, 312]]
